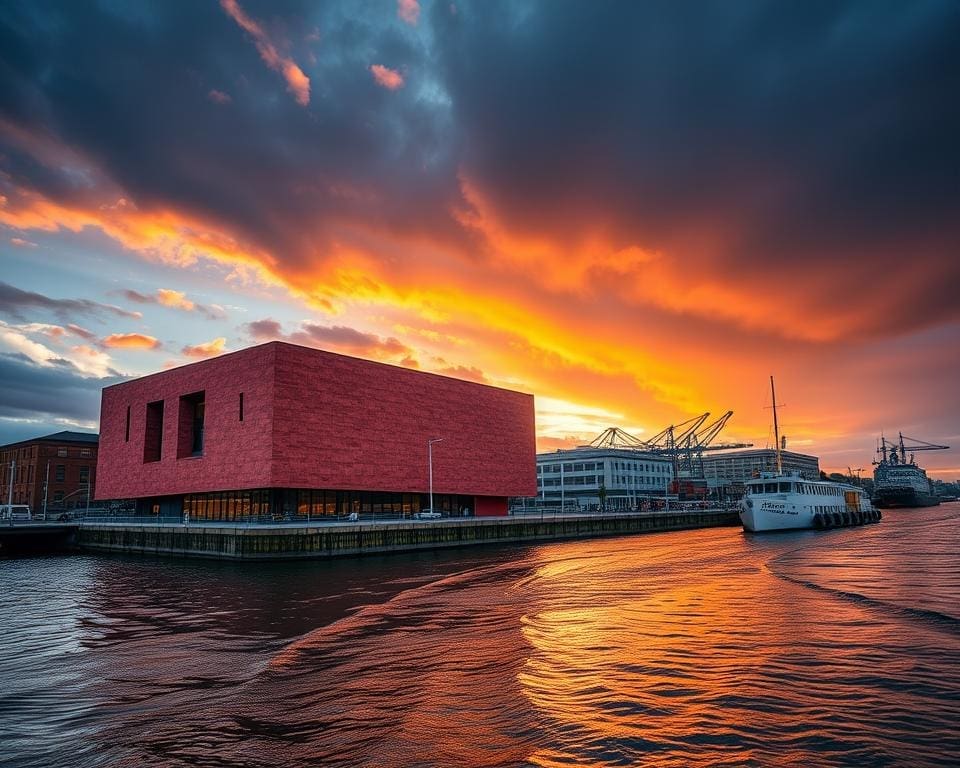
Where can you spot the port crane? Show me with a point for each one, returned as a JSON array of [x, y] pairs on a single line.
[[896, 452], [682, 443]]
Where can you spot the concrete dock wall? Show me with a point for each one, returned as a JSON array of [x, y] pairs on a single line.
[[257, 542]]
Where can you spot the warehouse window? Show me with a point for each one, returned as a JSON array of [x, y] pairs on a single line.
[[126, 436], [241, 406], [153, 432], [60, 474]]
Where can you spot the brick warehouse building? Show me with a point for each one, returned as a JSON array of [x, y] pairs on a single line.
[[72, 461], [284, 432]]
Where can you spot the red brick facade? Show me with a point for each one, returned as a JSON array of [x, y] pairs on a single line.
[[72, 461], [314, 419]]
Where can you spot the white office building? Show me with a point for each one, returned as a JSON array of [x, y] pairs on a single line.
[[728, 471], [575, 477]]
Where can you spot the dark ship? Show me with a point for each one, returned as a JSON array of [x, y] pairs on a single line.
[[897, 480]]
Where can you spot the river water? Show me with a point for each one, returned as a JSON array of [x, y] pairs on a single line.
[[708, 647]]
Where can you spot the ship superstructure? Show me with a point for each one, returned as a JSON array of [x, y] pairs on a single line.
[[897, 480]]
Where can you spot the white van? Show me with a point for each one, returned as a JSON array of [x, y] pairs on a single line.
[[15, 512]]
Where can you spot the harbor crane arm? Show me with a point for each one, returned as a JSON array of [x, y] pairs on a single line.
[[920, 445]]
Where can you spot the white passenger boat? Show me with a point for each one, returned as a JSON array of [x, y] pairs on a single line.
[[776, 501]]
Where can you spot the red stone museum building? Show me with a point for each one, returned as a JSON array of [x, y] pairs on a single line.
[[292, 433]]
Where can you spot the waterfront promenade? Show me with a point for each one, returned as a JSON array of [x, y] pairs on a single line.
[[280, 541]]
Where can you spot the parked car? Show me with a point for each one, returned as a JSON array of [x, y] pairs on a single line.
[[15, 512], [429, 514]]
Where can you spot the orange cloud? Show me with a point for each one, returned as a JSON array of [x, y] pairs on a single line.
[[175, 299], [297, 82], [130, 341], [206, 349], [167, 235], [388, 78], [408, 11]]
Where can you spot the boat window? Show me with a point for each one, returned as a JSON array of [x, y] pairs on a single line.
[[770, 488], [784, 487]]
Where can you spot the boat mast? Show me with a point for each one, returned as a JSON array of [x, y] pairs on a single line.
[[776, 427]]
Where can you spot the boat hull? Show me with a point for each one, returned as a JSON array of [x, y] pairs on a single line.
[[891, 498], [758, 520]]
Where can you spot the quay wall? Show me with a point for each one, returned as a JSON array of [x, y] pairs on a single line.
[[305, 541]]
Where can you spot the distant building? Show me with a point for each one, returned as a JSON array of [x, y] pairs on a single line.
[[575, 477], [72, 461], [728, 471], [284, 432]]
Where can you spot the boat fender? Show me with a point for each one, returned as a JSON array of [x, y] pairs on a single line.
[[837, 520], [817, 521]]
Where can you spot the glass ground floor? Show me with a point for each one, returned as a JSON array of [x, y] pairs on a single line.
[[299, 505]]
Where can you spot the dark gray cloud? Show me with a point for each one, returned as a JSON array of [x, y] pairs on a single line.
[[337, 337], [41, 394], [18, 304], [175, 300], [127, 85]]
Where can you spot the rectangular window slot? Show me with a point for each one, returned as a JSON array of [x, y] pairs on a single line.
[[241, 406], [153, 432], [126, 437], [190, 425]]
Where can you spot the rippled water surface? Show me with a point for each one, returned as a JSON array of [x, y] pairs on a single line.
[[706, 647]]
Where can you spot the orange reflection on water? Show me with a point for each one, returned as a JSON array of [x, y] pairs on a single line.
[[642, 647]]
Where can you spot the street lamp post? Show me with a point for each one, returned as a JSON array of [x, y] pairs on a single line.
[[46, 491], [13, 469], [430, 443]]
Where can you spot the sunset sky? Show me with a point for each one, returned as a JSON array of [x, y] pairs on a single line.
[[636, 211]]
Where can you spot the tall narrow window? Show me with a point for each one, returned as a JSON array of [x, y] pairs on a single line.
[[190, 425], [126, 437], [153, 432], [241, 406]]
